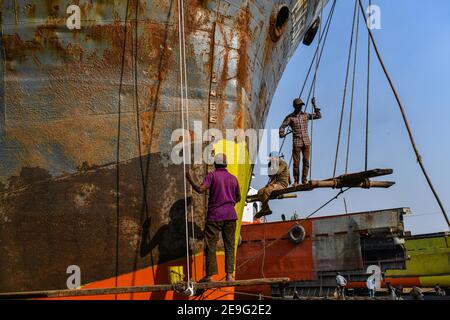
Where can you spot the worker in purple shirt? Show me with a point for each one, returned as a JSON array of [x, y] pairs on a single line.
[[224, 193]]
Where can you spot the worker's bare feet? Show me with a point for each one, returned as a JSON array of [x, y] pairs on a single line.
[[230, 277], [205, 279], [295, 185]]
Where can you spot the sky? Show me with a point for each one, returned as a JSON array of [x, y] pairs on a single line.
[[414, 43]]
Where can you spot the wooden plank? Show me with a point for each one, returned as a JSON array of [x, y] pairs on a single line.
[[137, 289]]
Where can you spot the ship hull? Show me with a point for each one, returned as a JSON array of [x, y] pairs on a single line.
[[86, 118]]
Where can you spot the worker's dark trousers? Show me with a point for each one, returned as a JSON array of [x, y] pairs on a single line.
[[212, 230], [306, 152]]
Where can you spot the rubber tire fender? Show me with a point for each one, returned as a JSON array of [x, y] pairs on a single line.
[[311, 33], [297, 234]]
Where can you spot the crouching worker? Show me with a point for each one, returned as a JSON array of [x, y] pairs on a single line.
[[224, 193], [278, 179]]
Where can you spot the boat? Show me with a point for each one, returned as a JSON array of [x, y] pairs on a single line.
[[311, 252], [90, 96], [356, 245], [427, 263]]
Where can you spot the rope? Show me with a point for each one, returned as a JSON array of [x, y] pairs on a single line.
[[405, 120], [264, 248], [328, 202], [355, 59], [247, 294], [188, 124], [183, 90], [366, 156], [345, 206], [345, 90], [119, 126], [144, 180], [312, 107]]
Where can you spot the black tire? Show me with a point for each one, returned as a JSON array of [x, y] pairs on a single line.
[[297, 234], [311, 33]]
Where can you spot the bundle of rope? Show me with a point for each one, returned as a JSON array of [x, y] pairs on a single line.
[[184, 99]]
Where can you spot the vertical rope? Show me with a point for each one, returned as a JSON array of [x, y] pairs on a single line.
[[314, 94], [182, 97], [264, 247], [352, 96], [119, 128], [345, 90], [366, 156], [186, 86]]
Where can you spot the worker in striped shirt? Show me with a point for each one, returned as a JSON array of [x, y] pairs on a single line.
[[298, 122]]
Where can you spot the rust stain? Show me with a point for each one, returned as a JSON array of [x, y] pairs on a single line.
[[52, 7], [197, 15], [85, 194], [30, 11], [243, 75], [16, 49]]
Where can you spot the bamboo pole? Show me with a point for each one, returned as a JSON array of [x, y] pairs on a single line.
[[334, 184]]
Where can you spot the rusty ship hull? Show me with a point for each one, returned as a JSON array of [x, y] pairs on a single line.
[[86, 117]]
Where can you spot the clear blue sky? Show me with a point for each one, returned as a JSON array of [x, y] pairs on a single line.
[[415, 44]]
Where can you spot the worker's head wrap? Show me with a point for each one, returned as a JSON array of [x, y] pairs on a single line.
[[220, 160], [298, 103], [274, 162]]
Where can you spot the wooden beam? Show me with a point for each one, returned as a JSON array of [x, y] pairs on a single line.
[[334, 184], [137, 289], [360, 176], [354, 180]]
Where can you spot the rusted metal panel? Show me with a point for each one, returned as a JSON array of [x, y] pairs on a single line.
[[337, 252], [337, 241]]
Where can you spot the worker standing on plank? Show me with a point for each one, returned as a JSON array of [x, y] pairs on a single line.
[[278, 179], [298, 122], [224, 193]]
